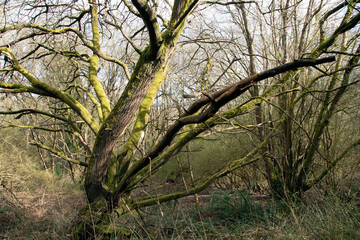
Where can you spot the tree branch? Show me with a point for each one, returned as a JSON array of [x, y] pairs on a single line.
[[131, 9], [52, 91], [221, 97], [125, 36], [34, 111], [234, 165], [150, 21], [227, 3], [18, 88], [83, 57], [332, 164], [78, 33], [59, 154], [38, 128], [180, 19]]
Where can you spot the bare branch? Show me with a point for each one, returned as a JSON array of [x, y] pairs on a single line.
[[227, 3], [59, 154], [83, 57], [37, 128], [131, 9], [23, 112], [73, 30], [125, 36]]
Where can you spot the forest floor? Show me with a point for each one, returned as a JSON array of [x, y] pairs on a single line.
[[215, 214]]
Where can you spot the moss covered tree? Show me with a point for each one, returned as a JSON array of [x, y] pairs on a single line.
[[138, 39]]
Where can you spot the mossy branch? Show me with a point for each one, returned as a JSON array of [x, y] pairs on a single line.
[[49, 90], [94, 101], [150, 21], [131, 9], [18, 88], [59, 154], [326, 16], [181, 13], [114, 60], [344, 27], [98, 88], [94, 62]]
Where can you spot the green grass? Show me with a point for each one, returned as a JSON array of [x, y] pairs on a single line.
[[236, 215]]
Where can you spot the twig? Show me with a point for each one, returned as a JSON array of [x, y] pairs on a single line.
[[12, 194]]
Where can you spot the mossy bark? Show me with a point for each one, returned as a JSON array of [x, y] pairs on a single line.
[[121, 162], [94, 221], [149, 69], [119, 118], [93, 66]]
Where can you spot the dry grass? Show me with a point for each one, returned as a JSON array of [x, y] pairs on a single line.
[[34, 204]]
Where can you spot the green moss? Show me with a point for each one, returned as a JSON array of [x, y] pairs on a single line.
[[98, 88], [144, 110]]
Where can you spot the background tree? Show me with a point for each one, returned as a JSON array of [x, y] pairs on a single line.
[[297, 100]]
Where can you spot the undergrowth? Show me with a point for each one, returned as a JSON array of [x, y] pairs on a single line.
[[35, 204], [238, 215]]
